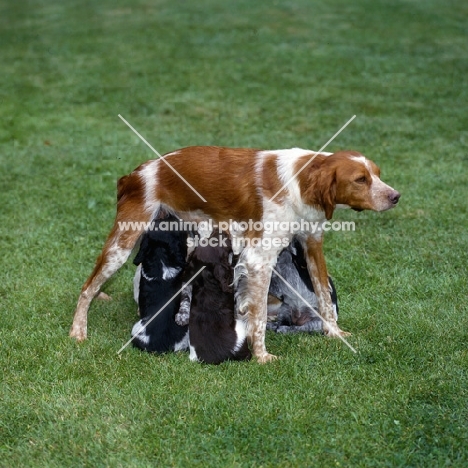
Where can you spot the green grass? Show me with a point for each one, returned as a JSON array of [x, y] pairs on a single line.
[[261, 74]]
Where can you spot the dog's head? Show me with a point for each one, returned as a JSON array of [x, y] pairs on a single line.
[[346, 178]]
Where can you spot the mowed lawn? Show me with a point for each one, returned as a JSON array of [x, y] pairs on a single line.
[[241, 73]]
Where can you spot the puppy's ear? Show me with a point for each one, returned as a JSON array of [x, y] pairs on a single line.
[[180, 254], [143, 249], [299, 255], [189, 269], [224, 276], [292, 248]]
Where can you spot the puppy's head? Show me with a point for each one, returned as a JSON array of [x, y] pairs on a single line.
[[216, 258], [162, 252]]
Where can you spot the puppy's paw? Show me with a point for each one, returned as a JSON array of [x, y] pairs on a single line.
[[182, 318], [272, 326], [285, 329]]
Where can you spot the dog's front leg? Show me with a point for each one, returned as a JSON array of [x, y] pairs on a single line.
[[319, 275], [252, 305], [257, 317]]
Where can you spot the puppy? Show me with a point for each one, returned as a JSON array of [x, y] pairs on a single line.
[[215, 334], [161, 260], [294, 313]]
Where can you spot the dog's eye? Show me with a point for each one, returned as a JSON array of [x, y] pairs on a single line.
[[360, 180]]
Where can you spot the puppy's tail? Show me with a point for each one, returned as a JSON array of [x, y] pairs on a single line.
[[241, 298], [241, 351]]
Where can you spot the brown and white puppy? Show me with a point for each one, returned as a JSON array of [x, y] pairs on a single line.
[[223, 184]]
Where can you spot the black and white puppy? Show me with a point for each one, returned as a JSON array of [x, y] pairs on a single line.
[[293, 313], [161, 260], [215, 334]]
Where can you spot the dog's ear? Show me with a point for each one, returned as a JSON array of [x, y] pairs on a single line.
[[143, 249], [327, 190], [319, 185], [224, 276]]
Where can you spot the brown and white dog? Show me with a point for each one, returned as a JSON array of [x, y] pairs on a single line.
[[243, 185]]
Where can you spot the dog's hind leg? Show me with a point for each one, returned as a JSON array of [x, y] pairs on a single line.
[[132, 213]]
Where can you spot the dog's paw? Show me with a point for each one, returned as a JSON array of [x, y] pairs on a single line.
[[79, 333], [331, 329], [103, 296], [266, 357]]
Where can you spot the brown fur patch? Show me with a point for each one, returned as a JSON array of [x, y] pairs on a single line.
[[230, 173], [271, 184]]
